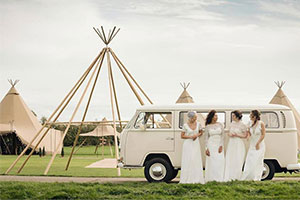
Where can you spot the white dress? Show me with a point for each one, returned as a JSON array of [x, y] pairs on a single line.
[[214, 165], [235, 153], [191, 161], [254, 162]]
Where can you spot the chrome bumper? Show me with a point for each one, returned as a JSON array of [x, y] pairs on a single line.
[[293, 166]]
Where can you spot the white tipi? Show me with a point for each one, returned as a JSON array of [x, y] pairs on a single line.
[[281, 99], [15, 116]]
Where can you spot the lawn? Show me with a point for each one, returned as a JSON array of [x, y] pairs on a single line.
[[213, 190], [85, 156]]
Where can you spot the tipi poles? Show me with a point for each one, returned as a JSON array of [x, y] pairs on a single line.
[[70, 121], [128, 81], [80, 145], [112, 110], [85, 111], [77, 85], [116, 100], [120, 63]]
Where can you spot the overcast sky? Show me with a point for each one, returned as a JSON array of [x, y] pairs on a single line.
[[230, 51]]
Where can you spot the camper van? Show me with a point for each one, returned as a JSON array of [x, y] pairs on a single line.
[[152, 138]]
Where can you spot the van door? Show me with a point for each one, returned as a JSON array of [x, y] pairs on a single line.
[[152, 132]]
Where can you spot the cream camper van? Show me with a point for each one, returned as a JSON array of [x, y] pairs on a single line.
[[152, 138]]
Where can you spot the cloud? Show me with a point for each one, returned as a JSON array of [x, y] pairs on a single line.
[[287, 8]]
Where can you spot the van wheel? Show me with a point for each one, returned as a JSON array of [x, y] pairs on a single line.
[[174, 174], [158, 170], [268, 171]]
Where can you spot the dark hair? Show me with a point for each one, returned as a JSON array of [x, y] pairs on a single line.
[[238, 114], [210, 116], [256, 114]]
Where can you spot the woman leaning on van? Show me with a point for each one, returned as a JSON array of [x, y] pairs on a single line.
[[254, 162], [214, 140], [191, 161], [235, 153]]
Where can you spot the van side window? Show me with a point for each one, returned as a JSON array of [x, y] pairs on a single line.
[[151, 120], [283, 119], [269, 118], [201, 116]]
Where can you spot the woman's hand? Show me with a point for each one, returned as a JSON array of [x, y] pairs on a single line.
[[200, 132], [220, 149], [257, 146], [194, 137], [207, 152]]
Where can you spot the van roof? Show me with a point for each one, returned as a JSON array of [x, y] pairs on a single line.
[[192, 106]]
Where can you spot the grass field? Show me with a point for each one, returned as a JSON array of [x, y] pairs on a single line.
[[213, 190], [85, 156]]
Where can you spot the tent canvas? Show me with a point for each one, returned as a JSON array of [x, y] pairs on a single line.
[[15, 116], [281, 99]]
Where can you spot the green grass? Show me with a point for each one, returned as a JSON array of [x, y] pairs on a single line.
[[213, 190], [85, 156]]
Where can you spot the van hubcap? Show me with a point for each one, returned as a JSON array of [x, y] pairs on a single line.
[[266, 171], [158, 171]]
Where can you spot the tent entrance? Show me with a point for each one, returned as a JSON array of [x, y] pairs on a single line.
[[10, 144]]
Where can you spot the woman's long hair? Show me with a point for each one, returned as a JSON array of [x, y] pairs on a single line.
[[256, 114], [210, 116], [238, 114]]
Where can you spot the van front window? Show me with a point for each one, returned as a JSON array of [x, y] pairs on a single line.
[[151, 120]]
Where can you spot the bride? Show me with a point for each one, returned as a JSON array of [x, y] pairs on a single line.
[[191, 161]]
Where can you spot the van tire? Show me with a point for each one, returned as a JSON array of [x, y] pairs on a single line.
[[174, 174], [158, 170], [270, 170]]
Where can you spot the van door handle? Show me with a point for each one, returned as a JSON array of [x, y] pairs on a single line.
[[169, 138]]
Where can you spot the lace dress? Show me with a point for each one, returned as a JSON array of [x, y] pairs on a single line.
[[191, 161], [254, 161], [214, 165], [235, 153]]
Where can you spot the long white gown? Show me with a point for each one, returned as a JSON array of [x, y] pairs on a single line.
[[191, 161], [214, 165], [254, 161], [235, 153]]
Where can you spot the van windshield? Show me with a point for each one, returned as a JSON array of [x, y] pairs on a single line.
[[154, 120]]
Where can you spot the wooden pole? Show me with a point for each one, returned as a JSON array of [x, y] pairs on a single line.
[[73, 115], [120, 63], [99, 34], [113, 111], [81, 145], [72, 93], [86, 110], [102, 145], [114, 35], [128, 81], [110, 37], [104, 35], [116, 101]]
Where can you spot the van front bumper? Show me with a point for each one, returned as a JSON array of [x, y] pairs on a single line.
[[293, 166]]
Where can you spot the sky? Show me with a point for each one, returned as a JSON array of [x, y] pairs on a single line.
[[230, 51]]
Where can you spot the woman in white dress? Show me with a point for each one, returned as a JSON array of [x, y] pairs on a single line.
[[254, 162], [191, 161], [214, 140], [235, 153]]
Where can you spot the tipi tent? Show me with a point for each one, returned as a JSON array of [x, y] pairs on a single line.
[[102, 130], [16, 117], [185, 97], [281, 99]]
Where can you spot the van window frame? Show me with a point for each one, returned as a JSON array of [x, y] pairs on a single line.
[[248, 112], [200, 113], [156, 112]]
